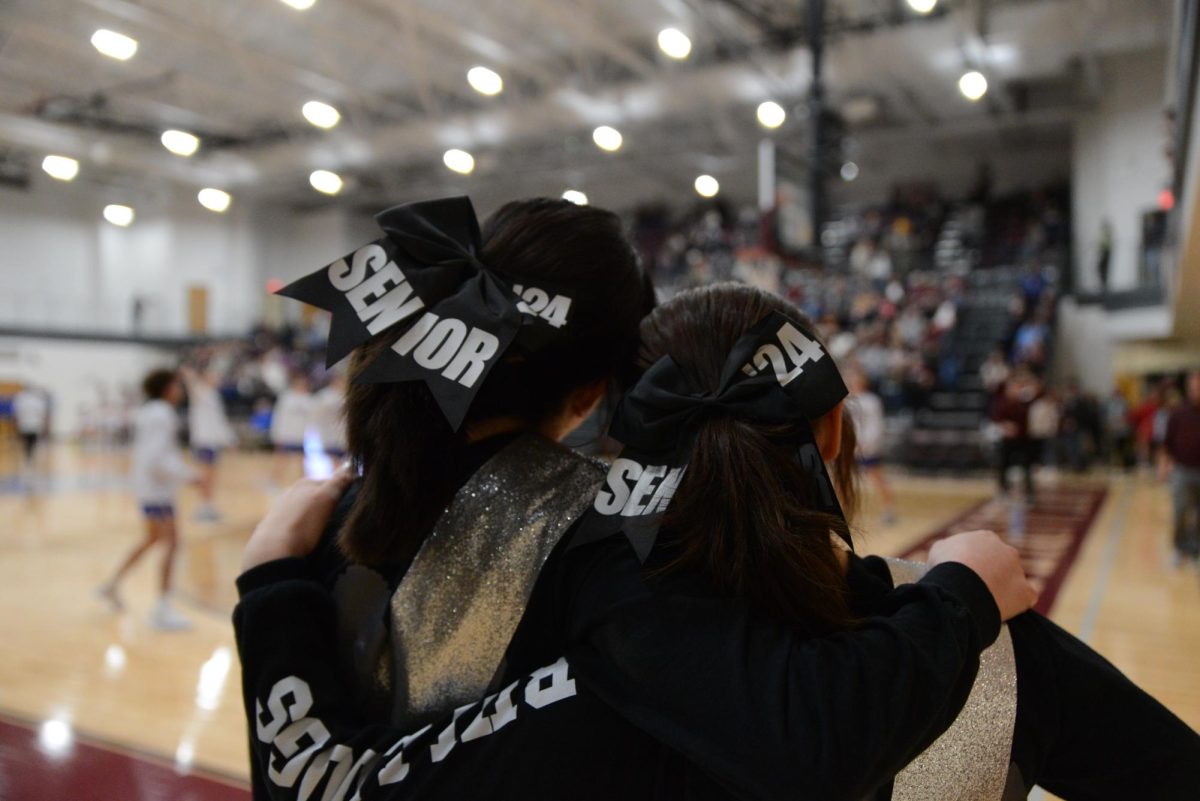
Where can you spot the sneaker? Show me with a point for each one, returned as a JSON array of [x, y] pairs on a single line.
[[164, 618], [208, 514], [107, 592]]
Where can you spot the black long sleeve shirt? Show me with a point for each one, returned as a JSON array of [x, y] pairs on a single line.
[[675, 693]]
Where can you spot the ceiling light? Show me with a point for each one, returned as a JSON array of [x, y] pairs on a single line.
[[922, 6], [321, 114], [118, 214], [212, 199], [973, 85], [576, 197], [674, 43], [114, 45], [325, 181], [849, 171], [707, 186], [485, 81], [460, 161], [181, 143], [299, 5], [770, 114], [62, 168], [607, 138]]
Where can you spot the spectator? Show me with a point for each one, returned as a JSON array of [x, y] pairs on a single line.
[[1011, 413], [1044, 421], [994, 372], [1180, 460], [1141, 421], [1118, 432], [31, 407], [1073, 424]]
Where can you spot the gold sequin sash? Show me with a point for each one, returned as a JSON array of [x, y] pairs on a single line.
[[457, 607], [970, 761]]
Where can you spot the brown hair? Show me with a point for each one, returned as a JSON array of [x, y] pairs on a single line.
[[412, 461], [156, 383], [745, 514]]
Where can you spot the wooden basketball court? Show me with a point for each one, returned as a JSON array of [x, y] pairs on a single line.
[[79, 677]]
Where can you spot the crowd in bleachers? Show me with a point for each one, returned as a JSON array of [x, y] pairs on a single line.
[[888, 304]]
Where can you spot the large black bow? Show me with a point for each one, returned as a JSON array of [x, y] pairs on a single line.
[[777, 373], [425, 274]]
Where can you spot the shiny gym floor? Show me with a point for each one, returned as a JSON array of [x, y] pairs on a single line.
[[80, 685]]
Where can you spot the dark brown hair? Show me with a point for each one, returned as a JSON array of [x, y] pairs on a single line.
[[745, 514], [412, 461], [156, 382]]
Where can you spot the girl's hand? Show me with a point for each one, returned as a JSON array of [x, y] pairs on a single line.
[[295, 521], [994, 561]]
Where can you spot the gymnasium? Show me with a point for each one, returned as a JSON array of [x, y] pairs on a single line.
[[989, 208]]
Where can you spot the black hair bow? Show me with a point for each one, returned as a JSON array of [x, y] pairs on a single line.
[[777, 373], [425, 274]]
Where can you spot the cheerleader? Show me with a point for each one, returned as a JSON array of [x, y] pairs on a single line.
[[158, 471], [763, 657], [209, 433], [289, 421], [449, 529]]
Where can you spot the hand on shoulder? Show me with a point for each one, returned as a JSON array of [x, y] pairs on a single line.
[[296, 519]]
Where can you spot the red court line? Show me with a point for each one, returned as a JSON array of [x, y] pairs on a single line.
[[37, 765], [1070, 508]]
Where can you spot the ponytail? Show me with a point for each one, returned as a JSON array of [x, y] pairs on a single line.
[[745, 517]]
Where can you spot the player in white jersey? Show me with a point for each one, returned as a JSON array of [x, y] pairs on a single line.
[[329, 416], [209, 433], [158, 472], [867, 410], [31, 408], [289, 421]]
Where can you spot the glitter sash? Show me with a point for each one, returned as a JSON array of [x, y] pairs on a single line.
[[457, 607], [970, 761]]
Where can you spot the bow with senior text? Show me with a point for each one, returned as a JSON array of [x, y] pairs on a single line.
[[776, 373], [425, 274]]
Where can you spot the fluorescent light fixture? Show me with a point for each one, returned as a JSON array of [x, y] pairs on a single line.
[[849, 171], [707, 186], [118, 215], [607, 138], [460, 161], [922, 6], [299, 5], [770, 114], [321, 114], [212, 199], [674, 43], [576, 197], [485, 81], [325, 181], [62, 168], [114, 45], [181, 143], [973, 85]]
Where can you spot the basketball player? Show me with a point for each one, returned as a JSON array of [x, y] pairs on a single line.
[[158, 471], [289, 420], [209, 433]]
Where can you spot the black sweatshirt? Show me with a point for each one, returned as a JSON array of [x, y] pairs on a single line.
[[724, 705], [669, 692]]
